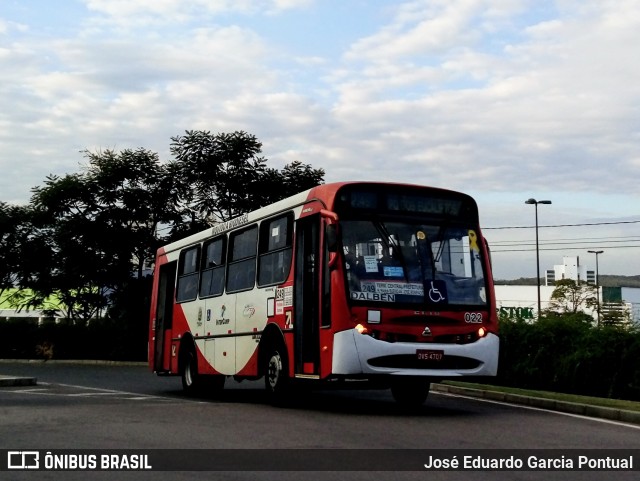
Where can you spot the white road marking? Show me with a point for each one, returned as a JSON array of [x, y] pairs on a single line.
[[533, 408], [129, 396]]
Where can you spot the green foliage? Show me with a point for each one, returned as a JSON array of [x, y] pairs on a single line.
[[16, 229], [570, 296], [121, 335], [85, 236], [218, 172], [22, 338], [567, 353], [218, 177]]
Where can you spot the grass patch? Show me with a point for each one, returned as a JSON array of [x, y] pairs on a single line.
[[589, 400]]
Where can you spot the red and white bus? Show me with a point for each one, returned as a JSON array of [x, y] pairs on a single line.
[[381, 282]]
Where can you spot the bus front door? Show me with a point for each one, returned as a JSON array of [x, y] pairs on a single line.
[[307, 298]]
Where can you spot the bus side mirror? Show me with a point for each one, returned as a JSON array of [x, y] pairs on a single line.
[[330, 230]]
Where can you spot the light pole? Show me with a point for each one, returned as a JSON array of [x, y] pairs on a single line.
[[536, 202], [597, 253]]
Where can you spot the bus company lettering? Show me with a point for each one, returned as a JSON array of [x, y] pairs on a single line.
[[373, 296], [230, 224]]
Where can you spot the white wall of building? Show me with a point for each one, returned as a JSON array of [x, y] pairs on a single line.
[[522, 301], [571, 268], [522, 298]]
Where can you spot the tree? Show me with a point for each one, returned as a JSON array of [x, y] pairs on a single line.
[[85, 237], [12, 232], [222, 176], [275, 185], [21, 248], [297, 177], [73, 266], [101, 224], [571, 297], [135, 195], [216, 173]]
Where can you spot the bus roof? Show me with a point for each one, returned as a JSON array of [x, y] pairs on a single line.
[[320, 192]]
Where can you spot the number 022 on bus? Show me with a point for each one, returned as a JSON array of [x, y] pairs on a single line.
[[379, 282]]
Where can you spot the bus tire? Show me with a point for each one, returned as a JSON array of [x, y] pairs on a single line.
[[410, 391], [276, 374], [189, 372]]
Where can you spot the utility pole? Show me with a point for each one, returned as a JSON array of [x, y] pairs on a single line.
[[536, 202]]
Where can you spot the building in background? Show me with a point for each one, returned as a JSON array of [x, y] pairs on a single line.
[[570, 269], [522, 301], [9, 312]]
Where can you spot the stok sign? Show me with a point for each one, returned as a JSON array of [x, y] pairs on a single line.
[[516, 312]]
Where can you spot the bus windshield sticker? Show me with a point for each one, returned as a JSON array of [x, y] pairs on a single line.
[[371, 263], [438, 291], [473, 241], [402, 288], [393, 271], [288, 296], [372, 296]]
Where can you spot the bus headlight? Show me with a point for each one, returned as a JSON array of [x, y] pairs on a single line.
[[361, 329]]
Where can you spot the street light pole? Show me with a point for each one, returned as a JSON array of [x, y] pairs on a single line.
[[597, 253], [535, 203]]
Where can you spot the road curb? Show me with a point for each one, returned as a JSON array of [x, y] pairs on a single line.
[[613, 414], [91, 362], [13, 381]]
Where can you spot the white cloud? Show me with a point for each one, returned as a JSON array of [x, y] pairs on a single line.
[[490, 96], [150, 12], [542, 106]]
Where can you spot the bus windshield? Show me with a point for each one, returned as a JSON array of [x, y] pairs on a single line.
[[438, 264]]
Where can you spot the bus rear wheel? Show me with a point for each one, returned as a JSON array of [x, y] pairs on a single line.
[[410, 391], [189, 372], [276, 377]]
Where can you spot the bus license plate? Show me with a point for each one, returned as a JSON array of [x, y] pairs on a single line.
[[430, 355]]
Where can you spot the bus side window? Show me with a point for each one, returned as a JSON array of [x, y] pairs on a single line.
[[212, 268], [187, 288], [275, 251], [241, 271]]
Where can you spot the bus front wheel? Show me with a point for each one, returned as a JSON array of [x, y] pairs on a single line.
[[410, 391]]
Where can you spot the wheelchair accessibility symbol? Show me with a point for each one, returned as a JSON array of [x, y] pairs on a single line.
[[435, 293]]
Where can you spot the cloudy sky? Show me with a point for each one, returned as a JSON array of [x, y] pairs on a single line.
[[502, 99]]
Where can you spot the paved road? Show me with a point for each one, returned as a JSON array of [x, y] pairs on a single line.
[[126, 407]]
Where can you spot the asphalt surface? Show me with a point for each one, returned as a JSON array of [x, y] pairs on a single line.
[[541, 403]]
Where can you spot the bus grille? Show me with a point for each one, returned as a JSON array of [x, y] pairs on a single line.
[[466, 338], [410, 361]]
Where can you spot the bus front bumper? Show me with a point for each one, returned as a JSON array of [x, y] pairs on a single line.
[[359, 354]]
